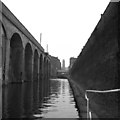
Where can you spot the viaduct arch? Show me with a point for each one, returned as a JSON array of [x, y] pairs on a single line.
[[23, 57], [28, 62], [16, 55], [41, 66], [36, 60]]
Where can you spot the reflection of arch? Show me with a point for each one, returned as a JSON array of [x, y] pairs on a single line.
[[28, 62], [35, 70], [16, 57], [41, 66]]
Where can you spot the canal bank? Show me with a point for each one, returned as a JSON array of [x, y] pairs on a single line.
[[96, 104], [81, 102]]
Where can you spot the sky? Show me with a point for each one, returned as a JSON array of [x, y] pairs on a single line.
[[66, 25]]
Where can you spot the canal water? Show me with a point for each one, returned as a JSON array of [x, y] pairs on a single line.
[[33, 100]]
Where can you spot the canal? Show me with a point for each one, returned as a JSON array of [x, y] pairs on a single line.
[[37, 101]]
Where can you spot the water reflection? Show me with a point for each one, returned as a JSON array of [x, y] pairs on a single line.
[[39, 100], [61, 104]]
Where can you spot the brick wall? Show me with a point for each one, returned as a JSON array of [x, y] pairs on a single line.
[[96, 66]]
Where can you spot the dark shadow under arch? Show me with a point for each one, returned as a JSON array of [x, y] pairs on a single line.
[[16, 58], [41, 67], [28, 62], [35, 70], [45, 67]]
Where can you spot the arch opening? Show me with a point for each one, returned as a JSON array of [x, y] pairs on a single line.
[[44, 67], [28, 62], [47, 69], [45, 77], [50, 69], [35, 71], [16, 58], [41, 67]]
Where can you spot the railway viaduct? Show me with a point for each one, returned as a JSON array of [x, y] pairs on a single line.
[[22, 57]]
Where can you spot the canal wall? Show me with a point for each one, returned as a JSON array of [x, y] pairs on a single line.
[[81, 102], [98, 65]]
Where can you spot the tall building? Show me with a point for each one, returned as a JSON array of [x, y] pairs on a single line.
[[63, 64]]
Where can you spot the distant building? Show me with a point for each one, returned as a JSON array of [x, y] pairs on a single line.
[[55, 66], [63, 64], [72, 60]]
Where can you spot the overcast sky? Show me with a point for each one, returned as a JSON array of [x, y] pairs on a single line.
[[65, 25]]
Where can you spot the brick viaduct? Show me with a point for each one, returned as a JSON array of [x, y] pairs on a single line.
[[22, 57]]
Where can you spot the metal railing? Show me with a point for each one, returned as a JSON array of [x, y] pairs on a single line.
[[89, 113]]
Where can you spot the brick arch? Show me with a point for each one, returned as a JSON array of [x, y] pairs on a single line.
[[49, 68], [35, 65], [28, 62], [45, 68], [16, 58], [41, 62]]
